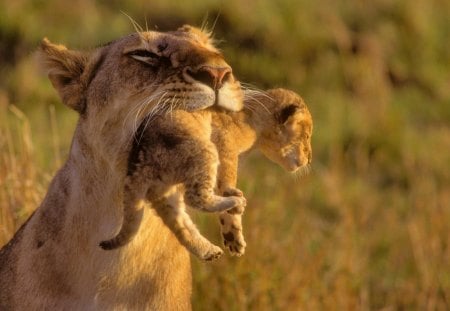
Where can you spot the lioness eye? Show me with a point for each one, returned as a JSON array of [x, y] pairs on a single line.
[[144, 56]]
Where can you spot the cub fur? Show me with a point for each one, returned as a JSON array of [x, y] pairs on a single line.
[[174, 149], [276, 122], [53, 262]]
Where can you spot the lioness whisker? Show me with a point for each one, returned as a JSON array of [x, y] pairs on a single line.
[[251, 87], [138, 28], [167, 104], [250, 92], [176, 104], [142, 107], [134, 110], [156, 108], [183, 103], [257, 101], [150, 115], [249, 107], [251, 95]]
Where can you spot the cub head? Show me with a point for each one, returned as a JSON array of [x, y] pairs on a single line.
[[286, 136], [115, 86]]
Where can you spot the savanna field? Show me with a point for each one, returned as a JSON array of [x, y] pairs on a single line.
[[367, 229]]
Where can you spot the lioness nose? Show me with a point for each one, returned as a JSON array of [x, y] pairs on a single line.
[[214, 77]]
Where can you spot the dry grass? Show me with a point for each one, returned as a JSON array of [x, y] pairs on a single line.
[[20, 191], [369, 228]]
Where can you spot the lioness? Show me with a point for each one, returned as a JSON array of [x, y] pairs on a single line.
[[53, 262]]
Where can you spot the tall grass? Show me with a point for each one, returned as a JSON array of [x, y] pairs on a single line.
[[369, 228], [19, 194]]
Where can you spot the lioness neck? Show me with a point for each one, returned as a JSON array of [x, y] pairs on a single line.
[[56, 261]]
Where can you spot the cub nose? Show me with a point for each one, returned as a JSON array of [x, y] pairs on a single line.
[[214, 77]]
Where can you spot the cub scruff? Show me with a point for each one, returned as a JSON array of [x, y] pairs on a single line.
[[277, 122], [53, 262]]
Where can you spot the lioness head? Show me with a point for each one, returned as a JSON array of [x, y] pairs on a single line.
[[116, 85], [287, 139]]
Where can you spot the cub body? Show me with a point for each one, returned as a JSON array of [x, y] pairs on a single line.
[[189, 151], [174, 150]]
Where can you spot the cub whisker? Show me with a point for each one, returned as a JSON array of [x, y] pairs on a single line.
[[302, 171]]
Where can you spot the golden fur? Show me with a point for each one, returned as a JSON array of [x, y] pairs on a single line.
[[53, 262], [172, 150], [277, 122]]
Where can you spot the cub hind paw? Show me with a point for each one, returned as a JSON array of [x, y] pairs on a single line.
[[234, 242]]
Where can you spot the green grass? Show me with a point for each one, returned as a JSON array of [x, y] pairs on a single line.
[[369, 228]]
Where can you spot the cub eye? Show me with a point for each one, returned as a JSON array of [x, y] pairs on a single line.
[[144, 56]]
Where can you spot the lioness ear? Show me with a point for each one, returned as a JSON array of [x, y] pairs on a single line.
[[285, 113], [65, 69]]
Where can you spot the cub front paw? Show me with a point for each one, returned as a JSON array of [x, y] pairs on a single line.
[[212, 253], [241, 201], [239, 206]]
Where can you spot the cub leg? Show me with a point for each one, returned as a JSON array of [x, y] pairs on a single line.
[[201, 183], [231, 228], [171, 209], [133, 211], [230, 223]]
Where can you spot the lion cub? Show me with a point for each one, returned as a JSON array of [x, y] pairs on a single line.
[[277, 122], [170, 152]]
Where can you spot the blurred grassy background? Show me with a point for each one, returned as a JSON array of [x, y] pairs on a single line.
[[368, 229]]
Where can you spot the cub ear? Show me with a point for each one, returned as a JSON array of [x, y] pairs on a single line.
[[65, 69], [285, 113]]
